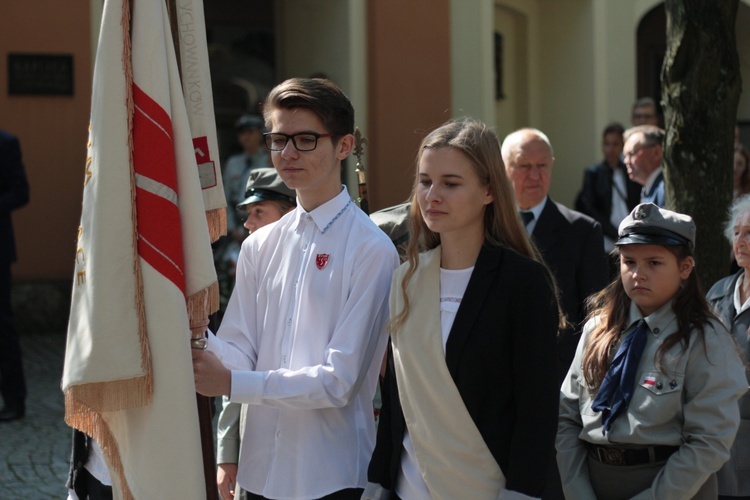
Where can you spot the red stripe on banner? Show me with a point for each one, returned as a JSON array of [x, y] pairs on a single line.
[[152, 138], [158, 218], [156, 232]]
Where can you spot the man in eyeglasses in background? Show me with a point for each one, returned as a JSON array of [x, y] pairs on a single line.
[[644, 112], [304, 333], [643, 157]]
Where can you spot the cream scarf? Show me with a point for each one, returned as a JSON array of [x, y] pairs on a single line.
[[452, 455]]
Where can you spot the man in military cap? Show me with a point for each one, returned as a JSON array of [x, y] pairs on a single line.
[[238, 167], [267, 199]]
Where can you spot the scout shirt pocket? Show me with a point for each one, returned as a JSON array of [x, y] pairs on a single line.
[[585, 400], [657, 397]]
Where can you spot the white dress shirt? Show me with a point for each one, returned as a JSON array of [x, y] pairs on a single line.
[[619, 204], [739, 306], [537, 211], [651, 180], [304, 334]]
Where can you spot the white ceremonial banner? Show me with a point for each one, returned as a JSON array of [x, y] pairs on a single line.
[[196, 84], [143, 265]]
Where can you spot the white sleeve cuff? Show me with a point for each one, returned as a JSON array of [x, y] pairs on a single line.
[[374, 491], [247, 387]]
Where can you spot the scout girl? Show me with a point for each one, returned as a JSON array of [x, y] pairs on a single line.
[[649, 406]]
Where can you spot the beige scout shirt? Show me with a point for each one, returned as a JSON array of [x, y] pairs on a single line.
[[693, 405]]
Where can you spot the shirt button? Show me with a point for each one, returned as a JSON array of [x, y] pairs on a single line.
[[656, 330]]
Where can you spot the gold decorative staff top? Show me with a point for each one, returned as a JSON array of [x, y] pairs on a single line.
[[359, 145]]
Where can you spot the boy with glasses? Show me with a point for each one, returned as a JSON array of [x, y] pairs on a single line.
[[304, 332]]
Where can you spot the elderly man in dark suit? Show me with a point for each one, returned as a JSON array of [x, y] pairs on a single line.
[[14, 193], [570, 242]]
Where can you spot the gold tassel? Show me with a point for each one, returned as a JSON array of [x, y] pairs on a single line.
[[202, 303], [217, 223]]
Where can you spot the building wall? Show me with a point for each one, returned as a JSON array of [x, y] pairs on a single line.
[[566, 63], [409, 89], [407, 66], [575, 62], [52, 132], [330, 37]]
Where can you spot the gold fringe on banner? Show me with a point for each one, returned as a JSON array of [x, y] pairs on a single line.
[[202, 303], [92, 424], [217, 223]]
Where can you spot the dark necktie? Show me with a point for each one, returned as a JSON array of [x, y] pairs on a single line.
[[527, 217], [618, 385]]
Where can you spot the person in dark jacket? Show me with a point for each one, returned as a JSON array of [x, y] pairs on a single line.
[[473, 325], [608, 195], [570, 242], [14, 193], [730, 297]]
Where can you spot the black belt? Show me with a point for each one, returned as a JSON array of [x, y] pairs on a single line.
[[612, 455]]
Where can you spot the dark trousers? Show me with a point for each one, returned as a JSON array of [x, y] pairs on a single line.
[[348, 494], [89, 487], [12, 381]]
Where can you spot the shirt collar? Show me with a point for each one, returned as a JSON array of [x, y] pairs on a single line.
[[327, 213], [651, 179], [537, 209], [657, 321], [736, 296]]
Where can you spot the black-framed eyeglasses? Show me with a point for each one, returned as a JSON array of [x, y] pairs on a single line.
[[304, 141]]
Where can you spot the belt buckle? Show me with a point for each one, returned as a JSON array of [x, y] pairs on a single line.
[[610, 456]]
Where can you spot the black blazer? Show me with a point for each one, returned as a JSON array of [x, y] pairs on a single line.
[[501, 355], [595, 198], [14, 192], [573, 247]]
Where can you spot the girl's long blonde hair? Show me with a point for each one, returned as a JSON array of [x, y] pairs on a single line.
[[502, 225]]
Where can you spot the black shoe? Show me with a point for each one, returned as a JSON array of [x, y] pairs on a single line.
[[12, 411]]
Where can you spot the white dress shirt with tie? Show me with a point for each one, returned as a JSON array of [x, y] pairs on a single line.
[[537, 211]]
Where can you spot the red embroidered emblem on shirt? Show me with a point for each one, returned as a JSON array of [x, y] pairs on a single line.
[[321, 260]]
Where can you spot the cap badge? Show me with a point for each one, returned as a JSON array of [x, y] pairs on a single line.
[[321, 260]]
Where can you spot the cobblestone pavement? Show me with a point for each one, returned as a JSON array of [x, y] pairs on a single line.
[[34, 451]]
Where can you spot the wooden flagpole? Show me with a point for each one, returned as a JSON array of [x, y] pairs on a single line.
[[359, 147], [205, 404]]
